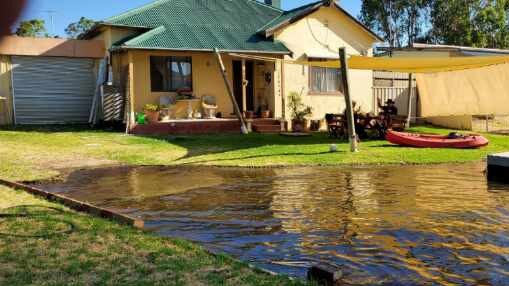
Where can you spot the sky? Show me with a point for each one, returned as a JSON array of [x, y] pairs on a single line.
[[64, 12]]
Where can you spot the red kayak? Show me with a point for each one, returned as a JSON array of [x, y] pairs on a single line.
[[436, 141]]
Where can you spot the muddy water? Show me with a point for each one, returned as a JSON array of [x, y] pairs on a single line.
[[409, 225]]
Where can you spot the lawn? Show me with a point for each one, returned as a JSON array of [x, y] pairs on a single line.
[[97, 251], [34, 154]]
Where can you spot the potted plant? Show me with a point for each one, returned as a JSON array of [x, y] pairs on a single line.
[[152, 112], [264, 111], [299, 111]]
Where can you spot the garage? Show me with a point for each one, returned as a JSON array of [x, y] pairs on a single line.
[[47, 81], [52, 90]]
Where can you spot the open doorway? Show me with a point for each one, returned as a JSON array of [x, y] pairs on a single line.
[[237, 85]]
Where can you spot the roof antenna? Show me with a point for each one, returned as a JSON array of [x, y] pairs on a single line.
[[51, 14]]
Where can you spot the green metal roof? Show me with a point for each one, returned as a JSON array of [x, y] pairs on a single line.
[[229, 25], [202, 25], [290, 15]]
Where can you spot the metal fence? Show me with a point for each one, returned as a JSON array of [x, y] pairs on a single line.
[[399, 95], [491, 123]]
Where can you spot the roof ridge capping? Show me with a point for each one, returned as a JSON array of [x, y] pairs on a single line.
[[266, 5], [135, 10], [146, 35]]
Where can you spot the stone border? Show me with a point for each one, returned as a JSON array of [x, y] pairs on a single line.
[[77, 205]]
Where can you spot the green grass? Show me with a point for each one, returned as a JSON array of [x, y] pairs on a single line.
[[101, 252], [34, 154]]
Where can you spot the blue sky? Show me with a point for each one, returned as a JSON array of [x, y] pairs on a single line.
[[67, 11]]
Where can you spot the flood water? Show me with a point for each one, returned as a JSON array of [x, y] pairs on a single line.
[[399, 225]]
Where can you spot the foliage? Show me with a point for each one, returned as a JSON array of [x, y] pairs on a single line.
[[32, 28], [74, 30], [478, 23], [400, 22], [298, 109], [151, 107]]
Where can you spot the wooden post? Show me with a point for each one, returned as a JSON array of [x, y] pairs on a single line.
[[244, 86], [222, 69], [349, 109], [410, 89]]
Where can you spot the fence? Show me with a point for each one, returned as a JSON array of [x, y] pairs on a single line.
[[491, 123], [394, 85], [399, 95]]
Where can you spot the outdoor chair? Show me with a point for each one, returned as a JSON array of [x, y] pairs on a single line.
[[166, 102], [336, 126], [209, 106]]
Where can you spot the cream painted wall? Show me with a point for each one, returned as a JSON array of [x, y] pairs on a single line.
[[207, 80], [5, 91], [323, 33]]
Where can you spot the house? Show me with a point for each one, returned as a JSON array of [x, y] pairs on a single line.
[[167, 47], [449, 83], [47, 81]]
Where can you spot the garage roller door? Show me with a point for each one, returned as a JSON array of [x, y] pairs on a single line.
[[50, 90]]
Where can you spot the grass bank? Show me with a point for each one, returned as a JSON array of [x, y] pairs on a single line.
[[34, 154]]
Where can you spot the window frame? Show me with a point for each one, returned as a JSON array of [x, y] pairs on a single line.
[[310, 83], [168, 62]]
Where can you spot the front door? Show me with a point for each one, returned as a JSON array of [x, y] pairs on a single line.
[[237, 84]]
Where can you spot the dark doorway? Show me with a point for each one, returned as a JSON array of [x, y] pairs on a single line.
[[237, 84]]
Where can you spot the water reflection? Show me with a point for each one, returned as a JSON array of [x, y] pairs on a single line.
[[406, 225]]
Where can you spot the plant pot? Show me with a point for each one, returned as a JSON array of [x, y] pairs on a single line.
[[152, 116], [298, 126], [265, 114], [249, 114]]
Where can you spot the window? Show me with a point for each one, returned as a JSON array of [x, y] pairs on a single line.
[[325, 80], [171, 73]]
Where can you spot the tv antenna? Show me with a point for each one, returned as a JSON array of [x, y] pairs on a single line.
[[51, 15]]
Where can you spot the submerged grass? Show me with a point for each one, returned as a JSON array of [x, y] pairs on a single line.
[[99, 252]]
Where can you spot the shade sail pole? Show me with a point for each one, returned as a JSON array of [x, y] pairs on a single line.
[[352, 136], [410, 87], [230, 92]]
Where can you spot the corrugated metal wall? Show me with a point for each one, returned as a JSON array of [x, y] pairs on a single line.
[[5, 91], [51, 90]]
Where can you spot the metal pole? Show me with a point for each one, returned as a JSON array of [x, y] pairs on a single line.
[[410, 89], [222, 69], [352, 136]]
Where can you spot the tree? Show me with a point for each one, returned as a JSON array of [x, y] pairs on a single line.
[[478, 23], [400, 22], [74, 30], [32, 28]]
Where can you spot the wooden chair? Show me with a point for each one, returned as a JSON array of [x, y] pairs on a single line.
[[336, 126]]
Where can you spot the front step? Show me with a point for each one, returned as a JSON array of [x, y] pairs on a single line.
[[266, 126]]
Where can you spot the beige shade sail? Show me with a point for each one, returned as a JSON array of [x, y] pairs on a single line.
[[479, 91], [410, 65]]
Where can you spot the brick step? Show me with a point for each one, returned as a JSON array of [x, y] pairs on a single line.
[[266, 122], [270, 128]]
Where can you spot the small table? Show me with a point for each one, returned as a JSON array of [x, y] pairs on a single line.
[[189, 106]]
